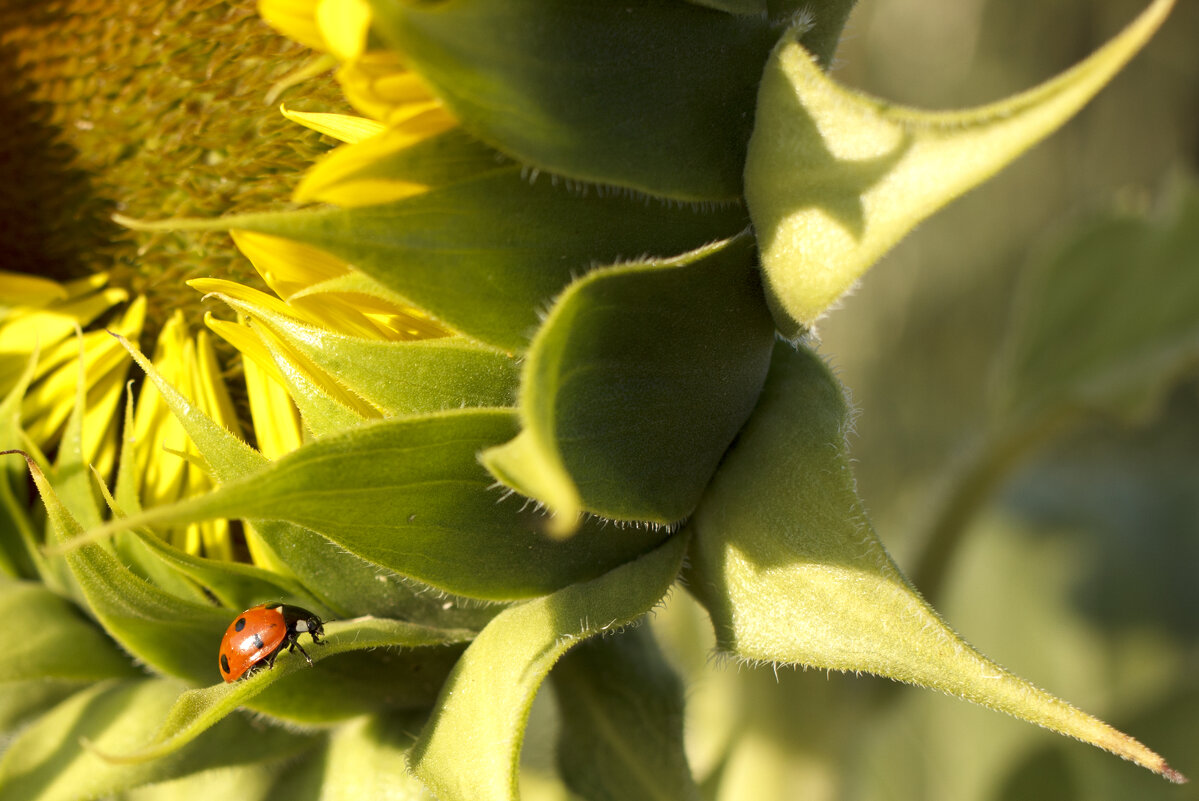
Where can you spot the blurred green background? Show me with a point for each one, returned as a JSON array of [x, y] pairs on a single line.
[[1081, 572]]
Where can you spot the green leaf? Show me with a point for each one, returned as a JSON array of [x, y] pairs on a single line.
[[399, 378], [181, 638], [1107, 321], [636, 384], [243, 782], [58, 653], [56, 641], [657, 97], [621, 735], [325, 408], [48, 761], [195, 711], [790, 569], [345, 583], [391, 163], [486, 255], [171, 635], [235, 585], [835, 178], [470, 748], [363, 759], [23, 701], [409, 495], [19, 557]]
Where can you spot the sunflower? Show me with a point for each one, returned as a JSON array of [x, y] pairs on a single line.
[[469, 348]]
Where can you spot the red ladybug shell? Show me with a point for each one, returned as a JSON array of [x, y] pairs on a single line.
[[252, 638]]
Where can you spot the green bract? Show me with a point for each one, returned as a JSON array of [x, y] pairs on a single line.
[[646, 207]]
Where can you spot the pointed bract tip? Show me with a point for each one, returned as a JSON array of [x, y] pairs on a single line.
[[1172, 775]]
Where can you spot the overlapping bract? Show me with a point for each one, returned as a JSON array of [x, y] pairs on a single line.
[[536, 272]]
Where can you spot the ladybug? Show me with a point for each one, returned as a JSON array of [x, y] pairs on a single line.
[[258, 635]]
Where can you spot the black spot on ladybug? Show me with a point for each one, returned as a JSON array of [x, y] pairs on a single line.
[[258, 643], [240, 624], [224, 663]]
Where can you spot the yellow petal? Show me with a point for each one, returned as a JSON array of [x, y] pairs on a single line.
[[343, 25], [295, 19], [345, 177], [345, 127], [18, 289], [276, 420]]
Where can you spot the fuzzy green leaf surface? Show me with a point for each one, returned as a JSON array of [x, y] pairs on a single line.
[[485, 256], [18, 552], [790, 569], [637, 383], [363, 759], [56, 641], [409, 495], [835, 178], [197, 710], [56, 757], [470, 748], [390, 162], [621, 736], [400, 378], [170, 634], [345, 583], [662, 103], [180, 637], [1109, 319]]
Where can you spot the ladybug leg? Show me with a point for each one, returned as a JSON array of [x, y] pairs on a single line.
[[296, 645]]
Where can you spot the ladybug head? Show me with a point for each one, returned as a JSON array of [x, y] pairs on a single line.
[[301, 620]]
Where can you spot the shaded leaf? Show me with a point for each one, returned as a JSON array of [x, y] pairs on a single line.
[[1109, 319], [195, 711], [662, 103], [835, 178], [19, 557], [486, 255], [790, 569], [636, 384], [409, 495], [47, 761], [621, 735], [469, 749]]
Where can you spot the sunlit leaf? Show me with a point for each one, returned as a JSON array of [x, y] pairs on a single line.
[[49, 760], [788, 565], [400, 378], [469, 749], [635, 385], [835, 178], [363, 759]]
